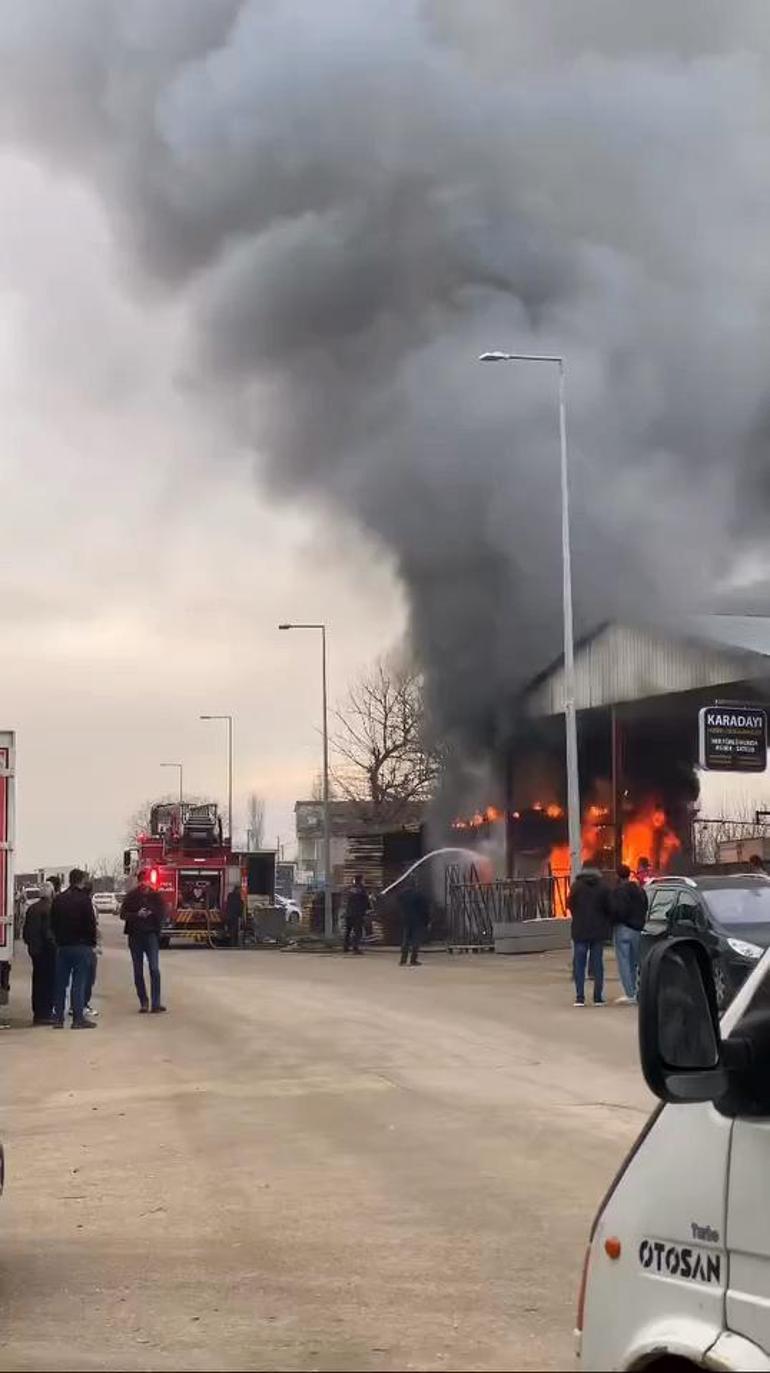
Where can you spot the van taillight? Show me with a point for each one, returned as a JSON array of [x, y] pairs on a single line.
[[582, 1293], [630, 1156]]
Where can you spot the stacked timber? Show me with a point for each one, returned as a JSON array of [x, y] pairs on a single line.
[[365, 855]]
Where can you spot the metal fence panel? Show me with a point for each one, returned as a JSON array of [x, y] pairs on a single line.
[[474, 908]]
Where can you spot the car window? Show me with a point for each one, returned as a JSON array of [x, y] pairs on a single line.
[[661, 901], [748, 905], [688, 908]]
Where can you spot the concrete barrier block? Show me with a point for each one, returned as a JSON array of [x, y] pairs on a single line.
[[532, 936]]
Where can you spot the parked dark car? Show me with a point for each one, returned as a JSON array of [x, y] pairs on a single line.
[[729, 915]]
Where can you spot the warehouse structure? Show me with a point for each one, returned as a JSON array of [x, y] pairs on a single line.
[[639, 691]]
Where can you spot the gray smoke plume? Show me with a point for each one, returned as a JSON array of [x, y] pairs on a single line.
[[355, 198]]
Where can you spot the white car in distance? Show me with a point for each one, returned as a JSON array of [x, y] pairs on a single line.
[[105, 903], [291, 909]]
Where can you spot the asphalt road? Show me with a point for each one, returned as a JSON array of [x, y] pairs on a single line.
[[312, 1162]]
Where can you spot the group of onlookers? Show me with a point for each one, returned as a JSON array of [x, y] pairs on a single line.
[[600, 913], [61, 932], [62, 936]]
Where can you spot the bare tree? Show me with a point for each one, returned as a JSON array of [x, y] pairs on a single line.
[[317, 789], [138, 822], [255, 822], [718, 827], [110, 866], [384, 759]]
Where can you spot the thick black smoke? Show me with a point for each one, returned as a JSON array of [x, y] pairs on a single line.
[[355, 199]]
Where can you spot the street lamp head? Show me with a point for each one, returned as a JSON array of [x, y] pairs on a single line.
[[522, 357], [285, 626]]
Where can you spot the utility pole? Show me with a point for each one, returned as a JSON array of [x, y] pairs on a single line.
[[570, 712], [327, 842]]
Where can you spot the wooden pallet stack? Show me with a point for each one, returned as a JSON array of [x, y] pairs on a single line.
[[365, 855]]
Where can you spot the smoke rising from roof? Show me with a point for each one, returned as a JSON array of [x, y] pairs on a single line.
[[354, 200]]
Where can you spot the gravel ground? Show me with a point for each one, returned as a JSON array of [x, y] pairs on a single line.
[[312, 1162]]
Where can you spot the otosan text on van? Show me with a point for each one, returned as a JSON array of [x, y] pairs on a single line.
[[680, 1261]]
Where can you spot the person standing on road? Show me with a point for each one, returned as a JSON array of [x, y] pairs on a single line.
[[73, 924], [41, 947], [643, 871], [142, 914], [234, 915], [88, 888], [357, 907], [589, 905], [415, 919], [629, 912]]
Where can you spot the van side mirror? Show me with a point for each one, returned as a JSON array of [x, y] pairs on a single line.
[[679, 1040]]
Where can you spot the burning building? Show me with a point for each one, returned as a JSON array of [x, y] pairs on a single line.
[[638, 694]]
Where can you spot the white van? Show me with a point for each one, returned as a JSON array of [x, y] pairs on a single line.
[[677, 1273]]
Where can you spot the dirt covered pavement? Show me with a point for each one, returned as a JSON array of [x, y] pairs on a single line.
[[312, 1162]]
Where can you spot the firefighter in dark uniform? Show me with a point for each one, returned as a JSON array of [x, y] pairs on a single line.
[[415, 921], [357, 907], [234, 915]]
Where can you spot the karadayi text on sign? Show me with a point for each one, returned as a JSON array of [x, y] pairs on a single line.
[[733, 738]]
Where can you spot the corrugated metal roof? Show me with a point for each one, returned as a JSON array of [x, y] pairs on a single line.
[[356, 817], [627, 663]]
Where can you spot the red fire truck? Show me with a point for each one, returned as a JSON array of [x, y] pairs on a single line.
[[193, 867]]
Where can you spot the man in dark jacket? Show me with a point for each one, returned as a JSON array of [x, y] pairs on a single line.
[[357, 907], [41, 947], [88, 888], [74, 928], [589, 905], [629, 912], [415, 919], [143, 914], [234, 915]]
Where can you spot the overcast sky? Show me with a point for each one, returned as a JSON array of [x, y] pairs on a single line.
[[249, 251], [141, 575]]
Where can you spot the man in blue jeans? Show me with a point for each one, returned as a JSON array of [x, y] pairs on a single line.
[[142, 913], [629, 913], [73, 925], [589, 905]]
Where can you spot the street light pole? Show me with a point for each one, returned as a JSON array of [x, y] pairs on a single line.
[[181, 787], [229, 720], [328, 910], [327, 839], [570, 711]]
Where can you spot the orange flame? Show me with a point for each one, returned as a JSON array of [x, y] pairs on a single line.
[[489, 816], [646, 834]]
